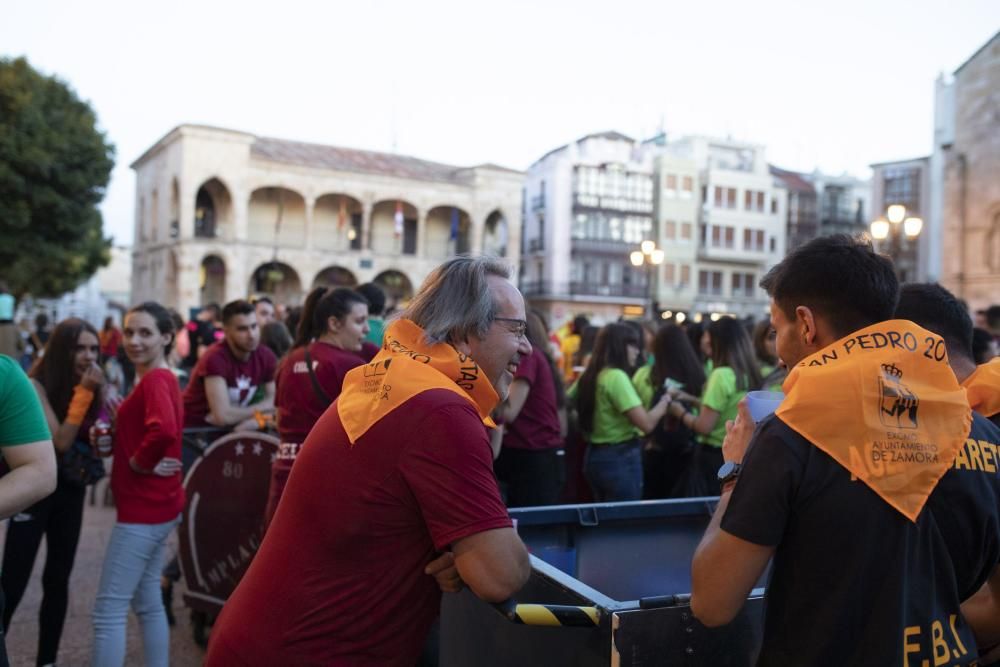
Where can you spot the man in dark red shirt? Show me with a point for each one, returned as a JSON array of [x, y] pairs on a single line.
[[234, 380], [393, 495]]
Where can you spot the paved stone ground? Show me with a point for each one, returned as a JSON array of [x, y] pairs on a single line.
[[77, 639]]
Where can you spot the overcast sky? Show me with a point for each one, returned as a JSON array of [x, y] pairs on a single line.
[[833, 85]]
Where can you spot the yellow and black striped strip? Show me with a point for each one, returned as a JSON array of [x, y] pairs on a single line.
[[554, 615]]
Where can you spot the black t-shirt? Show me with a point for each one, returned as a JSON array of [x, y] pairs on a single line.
[[853, 581]]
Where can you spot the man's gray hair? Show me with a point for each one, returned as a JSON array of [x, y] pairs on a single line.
[[456, 301]]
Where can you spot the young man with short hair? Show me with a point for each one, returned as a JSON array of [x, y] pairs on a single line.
[[233, 381], [859, 486]]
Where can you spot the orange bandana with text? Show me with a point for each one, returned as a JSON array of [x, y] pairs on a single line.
[[884, 403], [983, 387], [405, 367]]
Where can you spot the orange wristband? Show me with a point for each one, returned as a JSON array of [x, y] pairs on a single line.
[[78, 406]]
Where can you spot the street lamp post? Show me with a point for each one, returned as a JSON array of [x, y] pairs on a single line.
[[889, 225], [651, 257]]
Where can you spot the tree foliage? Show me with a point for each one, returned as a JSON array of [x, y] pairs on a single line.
[[54, 168]]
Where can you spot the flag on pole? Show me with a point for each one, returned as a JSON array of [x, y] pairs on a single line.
[[453, 236], [342, 215], [399, 218]]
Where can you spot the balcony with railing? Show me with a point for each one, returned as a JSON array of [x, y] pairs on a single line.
[[549, 288]]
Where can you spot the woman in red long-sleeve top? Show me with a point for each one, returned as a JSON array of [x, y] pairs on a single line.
[[146, 480]]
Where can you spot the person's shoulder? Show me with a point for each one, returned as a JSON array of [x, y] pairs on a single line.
[[723, 373], [265, 354], [772, 433], [613, 375], [8, 366], [984, 429], [160, 377]]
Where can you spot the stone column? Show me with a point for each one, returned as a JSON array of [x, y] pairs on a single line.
[[241, 215], [422, 221], [310, 203], [366, 224]]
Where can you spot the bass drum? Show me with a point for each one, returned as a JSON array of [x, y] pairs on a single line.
[[223, 520]]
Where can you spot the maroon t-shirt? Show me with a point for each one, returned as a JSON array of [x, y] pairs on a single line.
[[537, 425], [339, 579], [242, 377], [299, 406]]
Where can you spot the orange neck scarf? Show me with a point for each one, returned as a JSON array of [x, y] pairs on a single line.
[[983, 387], [407, 366], [884, 403]]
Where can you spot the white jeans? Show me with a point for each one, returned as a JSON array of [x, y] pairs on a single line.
[[131, 574]]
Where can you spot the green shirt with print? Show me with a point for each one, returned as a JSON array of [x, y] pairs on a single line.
[[615, 397], [721, 395], [21, 418]]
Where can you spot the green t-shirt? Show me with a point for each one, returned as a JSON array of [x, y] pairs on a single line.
[[21, 417], [376, 330], [721, 395], [615, 397], [643, 384]]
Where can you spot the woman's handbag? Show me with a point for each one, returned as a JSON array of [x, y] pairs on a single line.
[[80, 465]]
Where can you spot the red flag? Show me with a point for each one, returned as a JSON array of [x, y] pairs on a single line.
[[399, 219], [342, 214]]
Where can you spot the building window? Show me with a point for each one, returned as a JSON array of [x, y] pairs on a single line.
[[718, 196], [670, 230], [753, 239], [902, 186], [687, 184], [743, 285], [685, 275], [685, 231], [668, 273], [773, 244], [611, 226], [723, 237], [760, 202], [710, 283], [730, 197], [671, 182], [748, 200], [774, 205]]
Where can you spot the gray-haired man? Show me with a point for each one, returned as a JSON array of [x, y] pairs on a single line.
[[395, 474]]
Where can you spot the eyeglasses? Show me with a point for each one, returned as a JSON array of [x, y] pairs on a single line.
[[518, 327]]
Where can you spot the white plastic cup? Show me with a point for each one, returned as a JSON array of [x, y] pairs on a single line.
[[763, 403]]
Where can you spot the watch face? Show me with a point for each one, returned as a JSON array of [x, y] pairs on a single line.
[[728, 471]]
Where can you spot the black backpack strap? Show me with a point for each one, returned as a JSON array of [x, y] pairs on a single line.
[[320, 394]]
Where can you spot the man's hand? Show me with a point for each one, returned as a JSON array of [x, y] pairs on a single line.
[[444, 571], [738, 434], [247, 425]]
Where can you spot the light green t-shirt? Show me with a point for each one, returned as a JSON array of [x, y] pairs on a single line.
[[21, 417], [642, 381], [721, 395], [615, 397]]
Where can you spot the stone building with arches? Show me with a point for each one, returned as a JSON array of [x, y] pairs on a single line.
[[222, 214]]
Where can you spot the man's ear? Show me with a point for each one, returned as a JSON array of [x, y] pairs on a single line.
[[805, 322], [333, 324], [463, 347]]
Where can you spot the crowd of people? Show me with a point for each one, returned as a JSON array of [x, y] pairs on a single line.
[[404, 438]]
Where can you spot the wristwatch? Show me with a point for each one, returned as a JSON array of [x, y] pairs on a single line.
[[728, 472]]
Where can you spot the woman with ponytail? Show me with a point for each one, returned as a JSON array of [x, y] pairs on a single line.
[[328, 343]]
